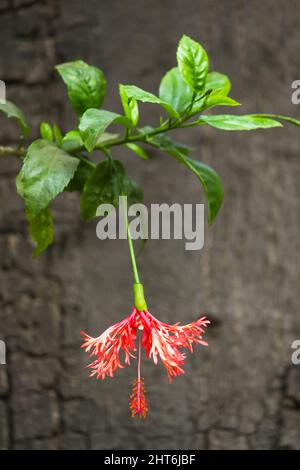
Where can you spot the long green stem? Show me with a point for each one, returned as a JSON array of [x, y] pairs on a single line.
[[165, 127], [140, 137], [130, 243], [138, 289], [131, 250]]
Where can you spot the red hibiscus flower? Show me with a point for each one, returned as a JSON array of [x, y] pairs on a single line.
[[159, 340]]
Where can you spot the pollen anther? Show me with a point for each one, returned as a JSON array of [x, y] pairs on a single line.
[[138, 401]]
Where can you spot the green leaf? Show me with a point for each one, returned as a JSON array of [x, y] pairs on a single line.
[[211, 183], [57, 135], [86, 85], [132, 190], [209, 179], [41, 230], [106, 138], [165, 143], [81, 175], [291, 120], [45, 173], [229, 122], [175, 91], [94, 122], [138, 150], [192, 63], [130, 106], [138, 94], [12, 111], [218, 81], [72, 141], [46, 131], [105, 185], [215, 98]]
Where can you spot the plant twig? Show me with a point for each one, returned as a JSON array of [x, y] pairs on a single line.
[[18, 152]]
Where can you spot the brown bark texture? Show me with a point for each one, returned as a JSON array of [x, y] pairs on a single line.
[[242, 392]]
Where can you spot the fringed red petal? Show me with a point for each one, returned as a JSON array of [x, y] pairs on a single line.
[[159, 339]]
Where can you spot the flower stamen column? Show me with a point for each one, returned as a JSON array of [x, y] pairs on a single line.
[[138, 401]]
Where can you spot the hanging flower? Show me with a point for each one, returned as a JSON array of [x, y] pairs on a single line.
[[159, 340]]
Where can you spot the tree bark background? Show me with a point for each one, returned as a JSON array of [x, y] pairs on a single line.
[[241, 392]]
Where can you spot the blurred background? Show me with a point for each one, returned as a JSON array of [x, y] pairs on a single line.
[[242, 392]]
